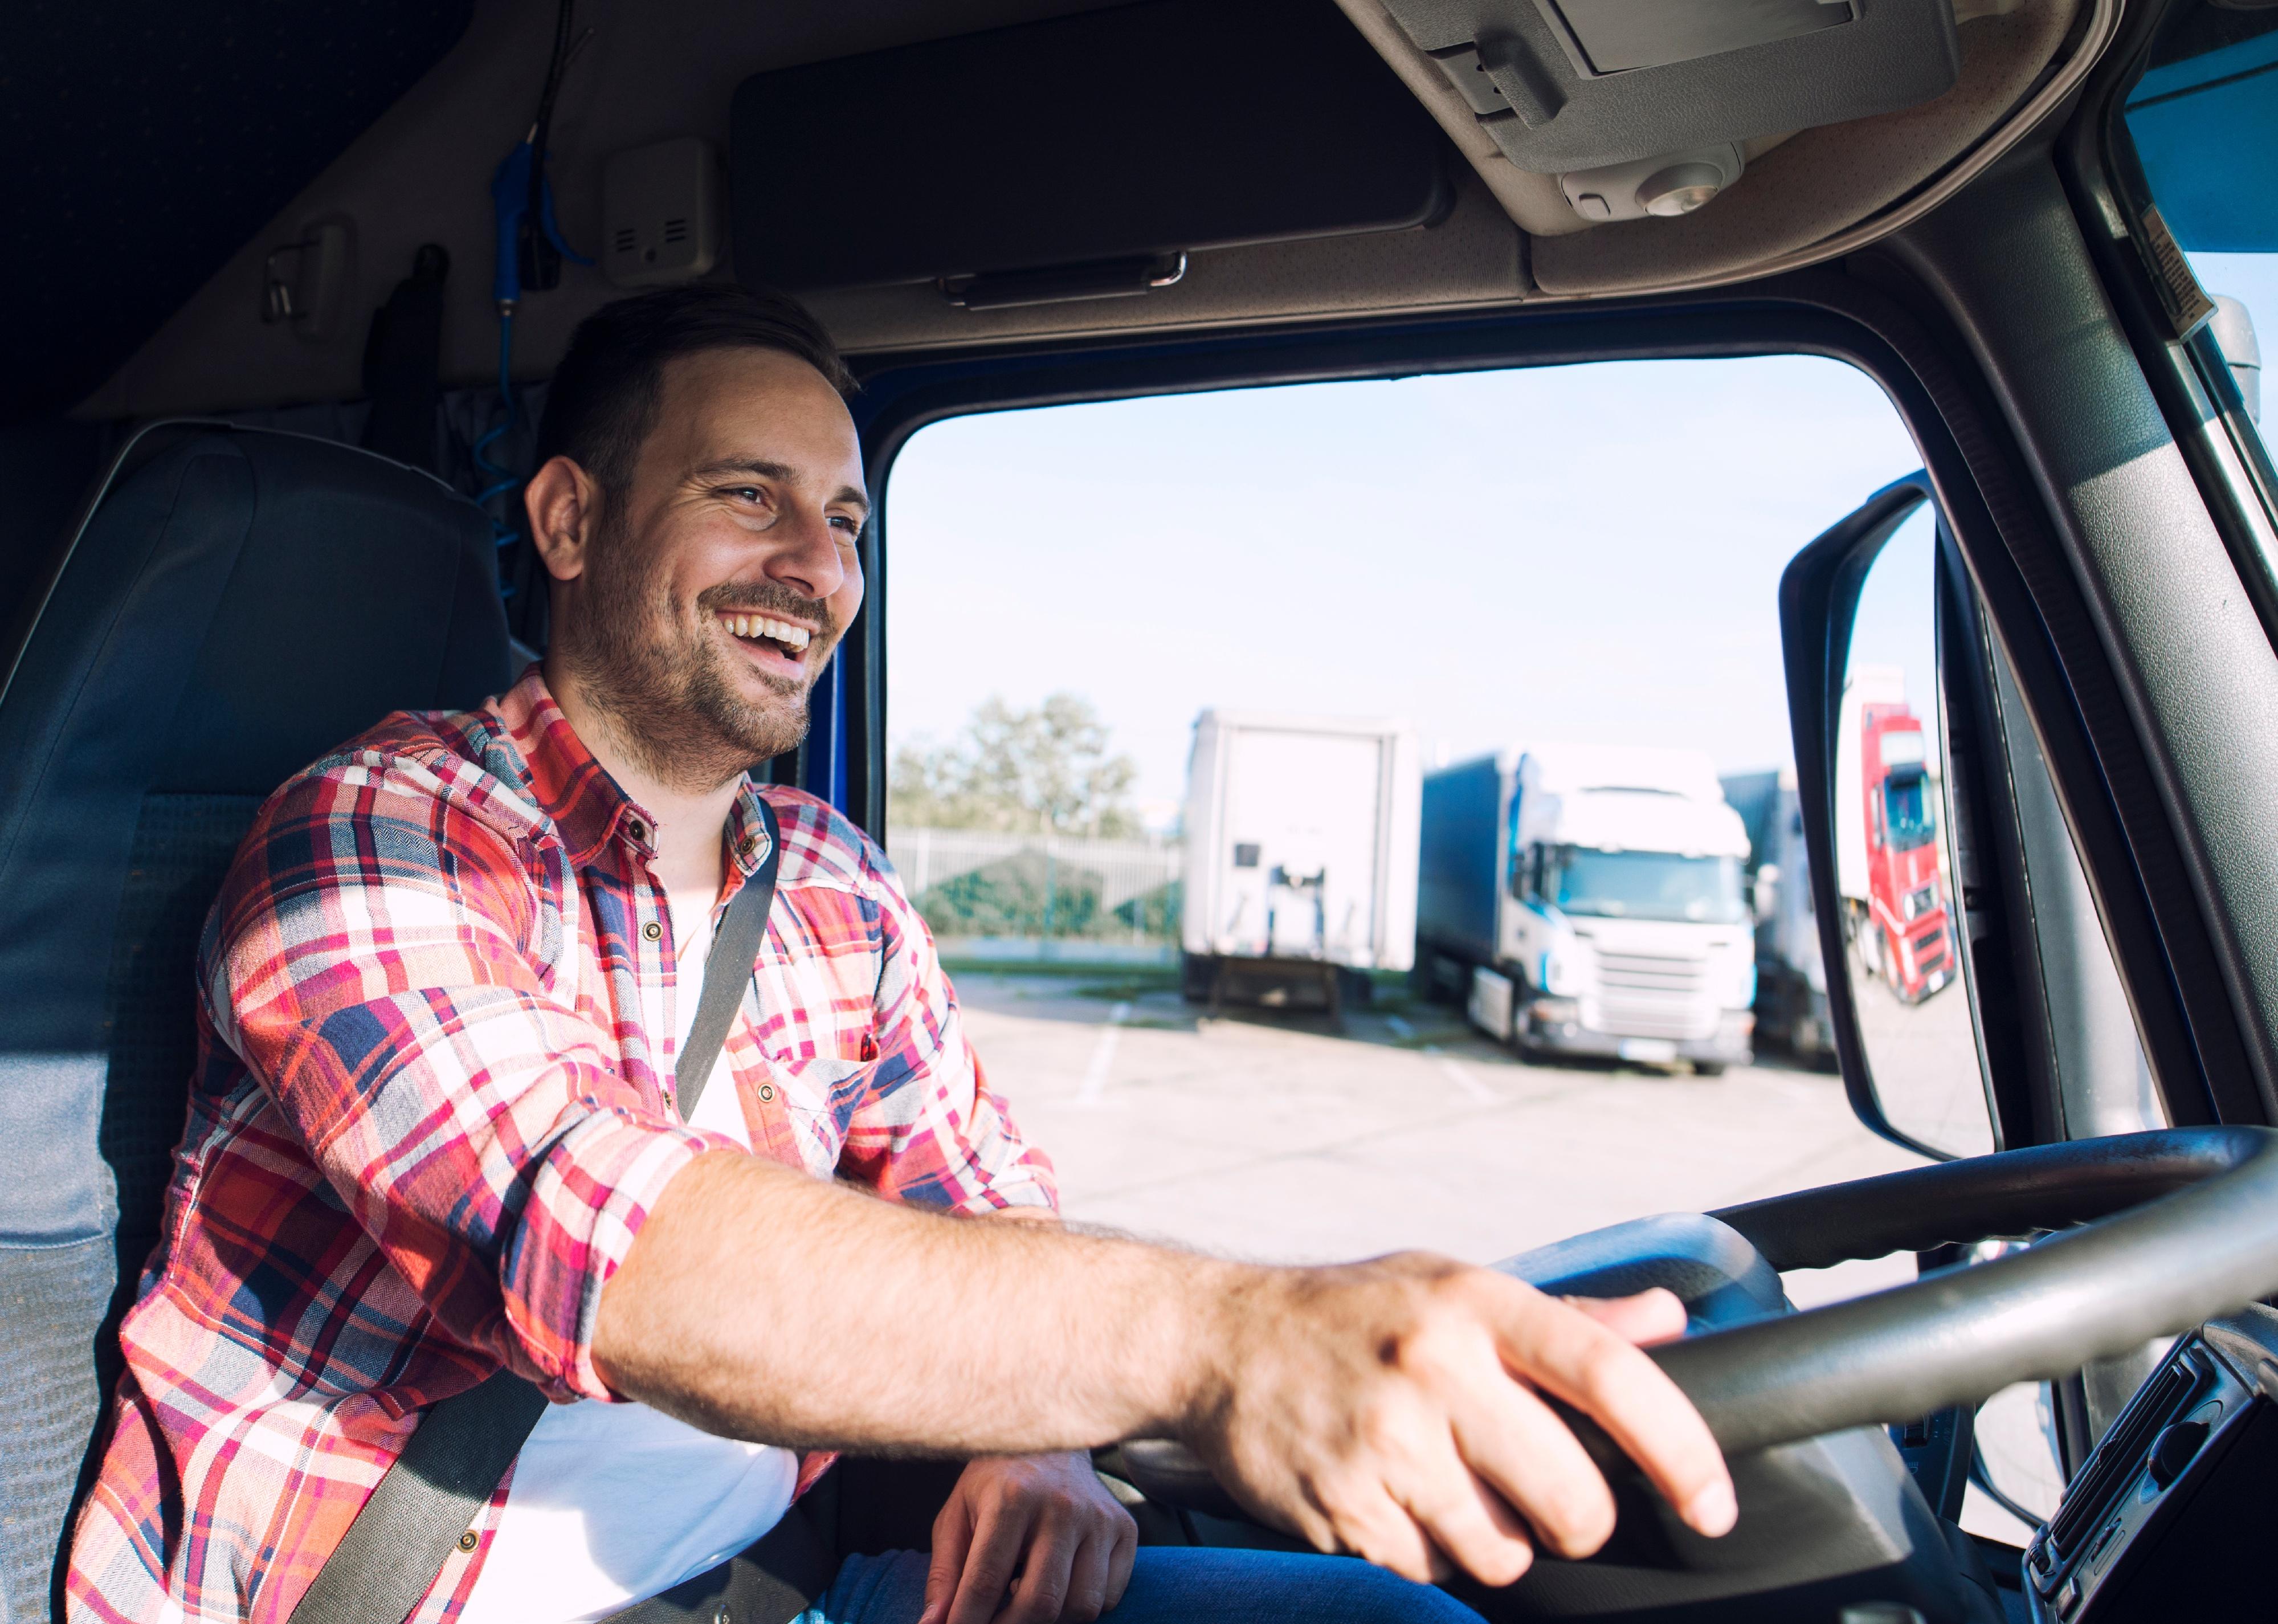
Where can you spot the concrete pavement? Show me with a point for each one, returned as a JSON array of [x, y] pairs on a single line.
[[1273, 1138]]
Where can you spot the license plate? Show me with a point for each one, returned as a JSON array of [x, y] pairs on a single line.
[[1649, 1049]]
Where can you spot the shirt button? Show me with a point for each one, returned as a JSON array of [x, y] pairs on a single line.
[[637, 829], [766, 1092], [652, 930], [469, 1540], [745, 846]]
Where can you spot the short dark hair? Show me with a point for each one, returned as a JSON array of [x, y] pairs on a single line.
[[603, 400]]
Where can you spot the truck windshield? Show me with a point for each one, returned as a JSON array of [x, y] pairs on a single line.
[[1582, 879], [1906, 808]]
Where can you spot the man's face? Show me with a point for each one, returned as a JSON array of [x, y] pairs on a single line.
[[717, 587]]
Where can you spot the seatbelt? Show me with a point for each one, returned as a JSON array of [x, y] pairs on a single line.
[[424, 1505]]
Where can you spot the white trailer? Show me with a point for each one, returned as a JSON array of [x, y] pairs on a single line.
[[1301, 855]]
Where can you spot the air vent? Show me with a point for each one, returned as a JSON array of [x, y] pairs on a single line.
[[2121, 1455], [660, 209]]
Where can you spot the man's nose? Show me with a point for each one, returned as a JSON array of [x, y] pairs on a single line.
[[805, 555]]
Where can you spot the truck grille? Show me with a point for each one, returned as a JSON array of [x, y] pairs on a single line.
[[1652, 995], [1653, 973]]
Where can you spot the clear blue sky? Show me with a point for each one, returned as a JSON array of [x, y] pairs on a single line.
[[1587, 552]]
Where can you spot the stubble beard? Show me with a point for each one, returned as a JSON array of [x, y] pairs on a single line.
[[668, 688]]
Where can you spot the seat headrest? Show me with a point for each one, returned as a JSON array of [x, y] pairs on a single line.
[[236, 602]]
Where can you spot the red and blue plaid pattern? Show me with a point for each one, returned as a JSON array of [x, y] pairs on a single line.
[[432, 1108]]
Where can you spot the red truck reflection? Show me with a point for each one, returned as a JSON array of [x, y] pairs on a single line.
[[1902, 923]]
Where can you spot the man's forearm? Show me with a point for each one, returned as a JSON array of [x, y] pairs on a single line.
[[762, 1304]]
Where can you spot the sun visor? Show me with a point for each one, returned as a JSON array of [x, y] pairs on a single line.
[[1080, 156], [1568, 85]]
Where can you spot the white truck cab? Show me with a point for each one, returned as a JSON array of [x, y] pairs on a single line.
[[1601, 911]]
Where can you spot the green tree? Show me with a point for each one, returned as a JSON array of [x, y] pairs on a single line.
[[1046, 770]]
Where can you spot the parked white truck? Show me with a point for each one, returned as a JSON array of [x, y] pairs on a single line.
[[1587, 899], [1301, 856]]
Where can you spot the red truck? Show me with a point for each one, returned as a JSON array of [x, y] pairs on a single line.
[[1895, 901]]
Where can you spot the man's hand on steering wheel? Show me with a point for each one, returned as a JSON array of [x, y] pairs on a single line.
[[1028, 1539], [1397, 1409]]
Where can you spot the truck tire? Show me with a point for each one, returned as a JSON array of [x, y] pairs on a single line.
[[1707, 1068]]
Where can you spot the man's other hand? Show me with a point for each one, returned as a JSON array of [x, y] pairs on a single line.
[[1397, 1409], [1028, 1539]]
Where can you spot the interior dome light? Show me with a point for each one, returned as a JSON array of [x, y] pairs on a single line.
[[1680, 189]]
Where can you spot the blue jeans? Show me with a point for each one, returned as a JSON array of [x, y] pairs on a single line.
[[1178, 1584]]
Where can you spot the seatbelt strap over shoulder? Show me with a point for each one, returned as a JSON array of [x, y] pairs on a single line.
[[424, 1505], [743, 928]]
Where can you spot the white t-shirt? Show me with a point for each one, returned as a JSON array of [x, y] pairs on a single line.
[[613, 1503]]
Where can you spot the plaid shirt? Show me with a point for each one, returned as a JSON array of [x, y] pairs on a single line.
[[433, 1107]]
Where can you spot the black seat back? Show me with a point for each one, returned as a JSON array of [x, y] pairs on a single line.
[[236, 602]]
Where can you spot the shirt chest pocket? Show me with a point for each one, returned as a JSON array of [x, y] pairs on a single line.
[[819, 1096]]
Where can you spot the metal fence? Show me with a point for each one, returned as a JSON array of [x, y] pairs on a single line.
[[973, 886]]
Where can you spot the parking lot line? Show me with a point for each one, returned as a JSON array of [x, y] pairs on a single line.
[[1462, 1077], [1102, 1056]]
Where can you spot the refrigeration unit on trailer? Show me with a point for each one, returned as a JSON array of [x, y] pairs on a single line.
[[1895, 912], [1301, 856], [1587, 899], [1791, 976]]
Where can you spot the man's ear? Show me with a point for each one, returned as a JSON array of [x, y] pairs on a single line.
[[564, 504]]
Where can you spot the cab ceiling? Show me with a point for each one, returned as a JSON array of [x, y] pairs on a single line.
[[654, 70]]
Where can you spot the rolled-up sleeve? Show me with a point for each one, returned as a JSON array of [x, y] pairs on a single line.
[[384, 962], [929, 1129]]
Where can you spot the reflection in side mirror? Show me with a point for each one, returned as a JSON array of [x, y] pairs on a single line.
[[1893, 862], [1871, 776], [1764, 897]]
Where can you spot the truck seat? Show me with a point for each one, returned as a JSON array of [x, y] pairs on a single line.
[[234, 603]]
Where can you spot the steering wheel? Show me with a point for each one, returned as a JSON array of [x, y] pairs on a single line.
[[2160, 1232]]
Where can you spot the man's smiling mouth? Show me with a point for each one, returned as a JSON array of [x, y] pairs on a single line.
[[778, 644]]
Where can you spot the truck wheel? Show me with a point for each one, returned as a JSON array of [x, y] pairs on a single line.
[[1707, 1068]]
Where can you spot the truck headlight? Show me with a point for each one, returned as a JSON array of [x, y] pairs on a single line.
[[1552, 1013]]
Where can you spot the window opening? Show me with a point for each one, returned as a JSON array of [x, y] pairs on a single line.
[[1577, 566]]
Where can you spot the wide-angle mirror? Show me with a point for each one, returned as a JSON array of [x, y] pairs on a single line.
[[1893, 857], [1860, 625]]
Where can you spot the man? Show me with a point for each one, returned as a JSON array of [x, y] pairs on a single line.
[[434, 1133]]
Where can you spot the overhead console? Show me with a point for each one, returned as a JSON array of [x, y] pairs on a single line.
[[1077, 159], [1643, 107]]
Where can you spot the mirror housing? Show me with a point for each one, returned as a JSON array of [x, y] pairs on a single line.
[[1818, 602], [1763, 893]]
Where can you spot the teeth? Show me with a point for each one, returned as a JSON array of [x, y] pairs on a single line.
[[790, 636]]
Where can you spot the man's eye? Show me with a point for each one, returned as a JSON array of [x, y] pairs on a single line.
[[851, 525]]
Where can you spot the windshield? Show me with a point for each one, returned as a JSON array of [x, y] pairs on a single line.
[[1906, 808], [1582, 879]]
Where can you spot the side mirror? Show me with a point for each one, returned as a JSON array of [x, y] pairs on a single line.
[[1858, 629], [1765, 895]]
